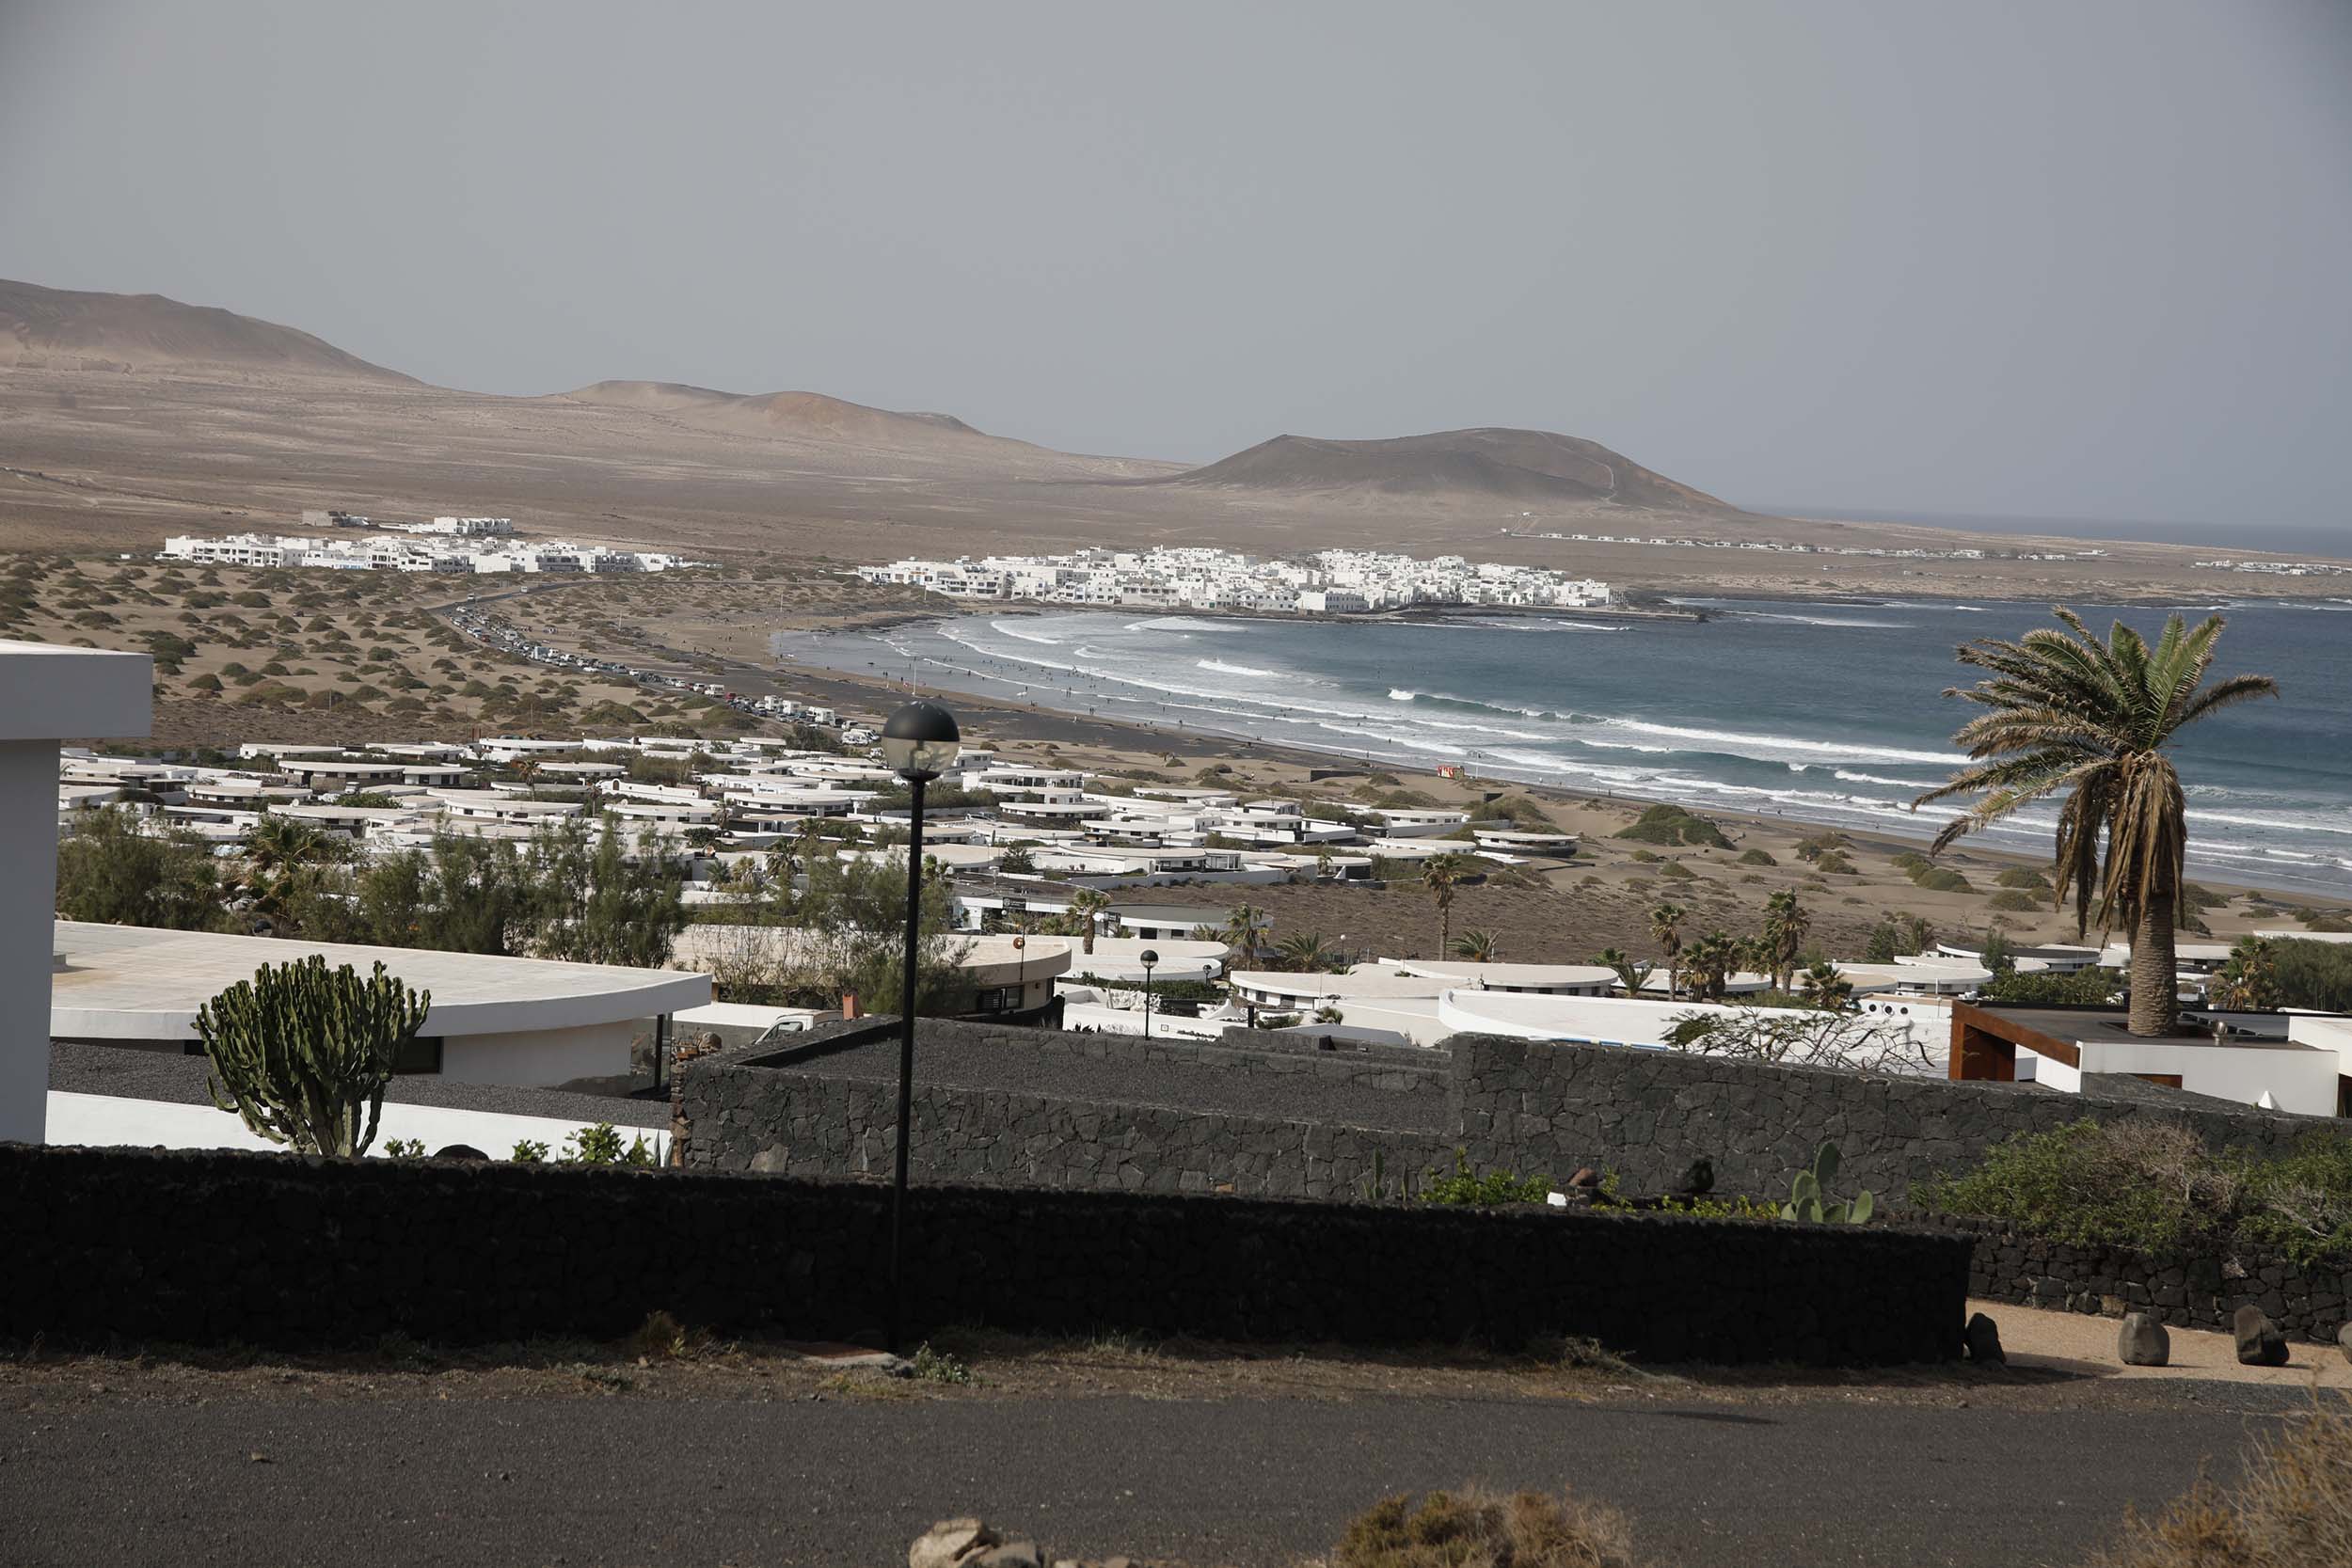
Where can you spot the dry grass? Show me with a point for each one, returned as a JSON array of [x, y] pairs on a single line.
[[2292, 1508], [1473, 1527]]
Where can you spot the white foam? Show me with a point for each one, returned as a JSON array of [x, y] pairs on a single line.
[[1224, 669]]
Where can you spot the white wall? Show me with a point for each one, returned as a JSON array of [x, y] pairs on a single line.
[[2296, 1080], [29, 849], [104, 1121], [540, 1058]]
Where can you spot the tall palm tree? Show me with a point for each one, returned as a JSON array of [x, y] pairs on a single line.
[[1823, 986], [2070, 714], [1439, 874], [1785, 924], [1245, 927], [1476, 946], [1632, 974], [1665, 927], [1305, 952], [1087, 905]]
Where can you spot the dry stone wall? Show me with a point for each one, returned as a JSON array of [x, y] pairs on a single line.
[[206, 1248]]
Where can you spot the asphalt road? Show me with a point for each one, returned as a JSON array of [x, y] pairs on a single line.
[[399, 1482]]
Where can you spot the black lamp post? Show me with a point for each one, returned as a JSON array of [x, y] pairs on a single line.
[[1150, 958], [919, 741]]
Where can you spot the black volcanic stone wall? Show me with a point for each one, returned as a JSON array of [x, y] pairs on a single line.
[[2198, 1290], [760, 1119], [1535, 1106], [198, 1247]]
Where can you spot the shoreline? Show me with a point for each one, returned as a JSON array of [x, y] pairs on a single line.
[[1049, 724]]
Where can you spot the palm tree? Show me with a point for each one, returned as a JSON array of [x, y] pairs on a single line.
[[277, 844], [1089, 905], [1305, 952], [1476, 946], [1631, 974], [2249, 981], [1439, 874], [1711, 959], [1245, 923], [1665, 927], [1823, 986], [2070, 714], [1785, 924]]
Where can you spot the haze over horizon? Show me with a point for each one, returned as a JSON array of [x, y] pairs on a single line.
[[2071, 262]]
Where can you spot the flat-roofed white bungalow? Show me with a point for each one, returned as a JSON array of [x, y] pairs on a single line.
[[74, 798], [343, 773], [1065, 811], [507, 747], [1005, 978], [501, 805], [1536, 979], [1416, 821], [1306, 992], [582, 772], [491, 1020], [242, 794], [357, 821]]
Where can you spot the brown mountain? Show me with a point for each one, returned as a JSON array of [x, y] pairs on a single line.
[[1499, 464], [68, 329], [802, 416]]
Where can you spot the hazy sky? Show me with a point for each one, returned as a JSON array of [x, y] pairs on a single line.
[[2057, 259]]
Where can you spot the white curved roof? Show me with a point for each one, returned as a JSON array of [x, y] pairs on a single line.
[[138, 983]]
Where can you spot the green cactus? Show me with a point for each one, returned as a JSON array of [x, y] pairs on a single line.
[[1805, 1193], [301, 1050]]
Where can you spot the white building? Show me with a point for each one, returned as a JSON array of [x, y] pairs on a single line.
[[490, 1020]]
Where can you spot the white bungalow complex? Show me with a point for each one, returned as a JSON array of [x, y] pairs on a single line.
[[1062, 885], [1194, 578], [456, 545]]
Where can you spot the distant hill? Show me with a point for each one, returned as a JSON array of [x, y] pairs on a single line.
[[69, 329], [807, 416], [1501, 464]]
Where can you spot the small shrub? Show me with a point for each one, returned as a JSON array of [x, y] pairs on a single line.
[[1832, 864], [1464, 1189], [937, 1366], [2013, 901], [528, 1152], [2023, 876], [403, 1148], [1675, 871], [1648, 857], [1940, 878], [2292, 1507], [1673, 825], [602, 1144], [2144, 1184], [1757, 857], [662, 1338], [1476, 1528]]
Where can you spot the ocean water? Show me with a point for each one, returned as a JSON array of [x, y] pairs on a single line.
[[1830, 713]]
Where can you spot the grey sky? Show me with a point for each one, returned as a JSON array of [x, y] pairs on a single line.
[[2055, 259]]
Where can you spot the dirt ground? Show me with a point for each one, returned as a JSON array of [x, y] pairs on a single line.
[[2057, 1360]]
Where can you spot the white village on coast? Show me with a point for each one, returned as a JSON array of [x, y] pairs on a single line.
[[1090, 903], [1333, 581]]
